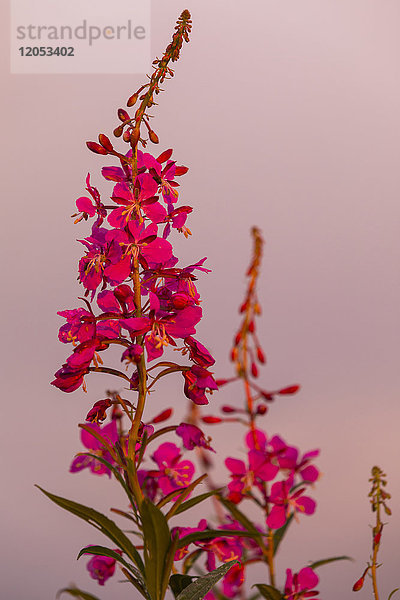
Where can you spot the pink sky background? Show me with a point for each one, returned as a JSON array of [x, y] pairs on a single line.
[[287, 114]]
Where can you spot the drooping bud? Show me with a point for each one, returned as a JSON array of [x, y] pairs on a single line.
[[291, 389], [243, 307], [260, 356], [132, 100], [211, 420], [118, 131], [234, 354], [251, 327], [123, 115], [228, 409], [96, 148], [163, 416], [105, 142], [358, 584], [254, 369], [153, 137], [238, 338]]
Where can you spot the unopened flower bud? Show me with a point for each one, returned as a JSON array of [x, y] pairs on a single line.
[[251, 327], [96, 148], [132, 99], [260, 355], [163, 416], [153, 137], [123, 115], [291, 389], [261, 409], [234, 354], [254, 369], [118, 131], [238, 337], [180, 300], [127, 135], [211, 420], [228, 409], [358, 584], [105, 142], [243, 307], [134, 137]]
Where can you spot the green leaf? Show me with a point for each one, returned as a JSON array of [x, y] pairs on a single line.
[[325, 561], [208, 534], [74, 591], [184, 495], [199, 588], [169, 561], [138, 585], [103, 551], [268, 591], [100, 522], [280, 533], [393, 592], [157, 538], [178, 583], [196, 500]]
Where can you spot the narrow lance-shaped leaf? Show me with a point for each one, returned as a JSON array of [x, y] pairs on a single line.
[[100, 522], [77, 593], [280, 533], [199, 588], [393, 592], [268, 591], [184, 495], [196, 500], [326, 561], [157, 538]]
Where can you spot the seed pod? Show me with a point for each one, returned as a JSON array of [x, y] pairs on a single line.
[[96, 148]]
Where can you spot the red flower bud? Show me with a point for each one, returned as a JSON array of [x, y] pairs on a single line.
[[118, 131], [358, 584], [251, 327], [291, 389], [234, 354], [228, 409], [243, 307], [377, 539], [211, 420], [238, 338], [123, 115], [105, 142], [267, 396], [132, 99], [134, 137], [260, 355], [163, 416], [180, 300], [261, 409], [96, 148], [127, 135], [254, 370], [153, 137]]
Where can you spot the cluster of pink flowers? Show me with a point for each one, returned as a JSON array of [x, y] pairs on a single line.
[[138, 300]]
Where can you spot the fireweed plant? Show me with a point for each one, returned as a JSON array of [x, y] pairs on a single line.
[[137, 298]]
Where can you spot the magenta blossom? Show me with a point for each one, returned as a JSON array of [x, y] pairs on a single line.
[[286, 502], [109, 432], [173, 473], [102, 568], [193, 437], [299, 585]]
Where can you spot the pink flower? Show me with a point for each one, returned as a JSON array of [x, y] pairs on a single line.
[[193, 437], [299, 585], [102, 568], [284, 502], [173, 472], [95, 447]]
